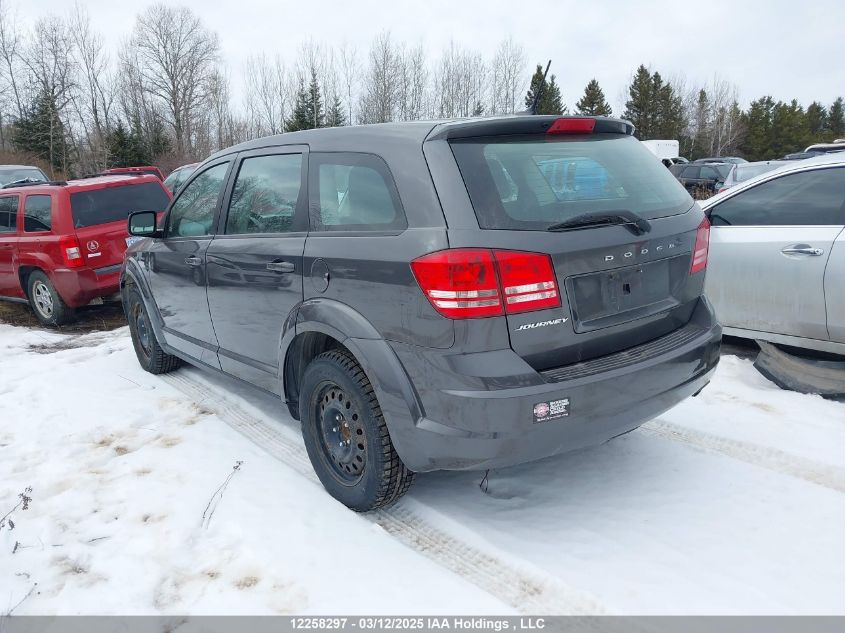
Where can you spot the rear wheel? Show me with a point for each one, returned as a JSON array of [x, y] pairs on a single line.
[[346, 436], [150, 354], [46, 303]]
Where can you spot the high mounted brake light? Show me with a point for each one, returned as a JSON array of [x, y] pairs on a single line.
[[468, 283], [572, 126]]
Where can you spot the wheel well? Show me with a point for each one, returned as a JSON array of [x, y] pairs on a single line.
[[23, 274], [304, 348]]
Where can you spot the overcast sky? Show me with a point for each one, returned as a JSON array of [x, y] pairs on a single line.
[[784, 48]]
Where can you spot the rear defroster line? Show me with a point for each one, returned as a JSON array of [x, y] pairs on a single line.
[[763, 456], [527, 591]]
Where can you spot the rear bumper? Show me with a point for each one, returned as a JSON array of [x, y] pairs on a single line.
[[78, 287], [495, 417]]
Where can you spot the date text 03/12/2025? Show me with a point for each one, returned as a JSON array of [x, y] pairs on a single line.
[[387, 623]]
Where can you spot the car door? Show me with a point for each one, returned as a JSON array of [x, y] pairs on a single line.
[[176, 264], [9, 283], [769, 248], [255, 262], [834, 290]]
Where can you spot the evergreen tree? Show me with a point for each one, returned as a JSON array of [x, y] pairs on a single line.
[[314, 105], [40, 132], [299, 119], [640, 106], [789, 129], [121, 147], [550, 99], [701, 131], [308, 107], [336, 117], [836, 120], [668, 122], [816, 122], [758, 123], [593, 103], [478, 110]]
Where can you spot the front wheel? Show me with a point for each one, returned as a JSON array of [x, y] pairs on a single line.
[[346, 435], [150, 354]]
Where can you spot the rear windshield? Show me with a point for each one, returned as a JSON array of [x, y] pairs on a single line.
[[112, 204], [530, 183]]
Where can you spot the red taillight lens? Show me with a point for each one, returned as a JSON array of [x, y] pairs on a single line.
[[572, 126], [528, 281], [460, 283], [467, 283], [701, 248], [71, 253]]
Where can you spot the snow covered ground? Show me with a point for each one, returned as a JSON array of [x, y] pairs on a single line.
[[733, 502]]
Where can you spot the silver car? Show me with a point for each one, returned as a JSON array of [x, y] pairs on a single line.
[[776, 268], [746, 171]]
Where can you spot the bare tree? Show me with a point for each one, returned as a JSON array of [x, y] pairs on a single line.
[[460, 83], [349, 72], [265, 97], [508, 77], [178, 59], [381, 82], [51, 67], [95, 99], [10, 42]]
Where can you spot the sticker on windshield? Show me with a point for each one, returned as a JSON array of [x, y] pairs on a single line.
[[552, 410]]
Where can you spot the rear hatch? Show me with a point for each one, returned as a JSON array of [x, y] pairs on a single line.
[[617, 227], [99, 217]]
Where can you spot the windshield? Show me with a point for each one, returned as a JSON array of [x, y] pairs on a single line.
[[530, 183], [112, 204], [13, 175]]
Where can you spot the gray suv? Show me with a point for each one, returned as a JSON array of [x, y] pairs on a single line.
[[433, 295]]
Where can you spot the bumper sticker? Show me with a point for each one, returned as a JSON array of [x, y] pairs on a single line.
[[552, 410]]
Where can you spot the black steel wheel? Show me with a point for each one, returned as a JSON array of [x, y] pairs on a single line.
[[346, 435], [150, 354]]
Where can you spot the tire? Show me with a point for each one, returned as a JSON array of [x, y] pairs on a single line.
[[45, 302], [346, 435], [147, 348]]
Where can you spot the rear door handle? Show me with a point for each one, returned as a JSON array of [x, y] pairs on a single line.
[[193, 261], [802, 249], [280, 267]]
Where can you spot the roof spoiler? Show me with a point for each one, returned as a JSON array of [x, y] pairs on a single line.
[[521, 125]]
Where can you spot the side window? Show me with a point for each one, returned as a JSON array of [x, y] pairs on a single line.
[[814, 197], [8, 214], [192, 213], [353, 192], [36, 214], [265, 195]]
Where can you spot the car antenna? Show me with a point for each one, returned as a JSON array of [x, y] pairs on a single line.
[[533, 109]]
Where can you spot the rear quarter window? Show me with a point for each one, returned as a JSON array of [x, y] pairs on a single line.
[[353, 192], [37, 212], [530, 183], [113, 204]]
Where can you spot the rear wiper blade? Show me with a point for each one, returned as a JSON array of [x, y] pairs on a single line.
[[623, 217]]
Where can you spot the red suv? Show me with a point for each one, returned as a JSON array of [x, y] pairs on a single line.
[[62, 243]]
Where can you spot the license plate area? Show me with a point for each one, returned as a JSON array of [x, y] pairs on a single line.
[[607, 298]]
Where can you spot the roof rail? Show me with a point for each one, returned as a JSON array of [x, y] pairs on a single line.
[[28, 182]]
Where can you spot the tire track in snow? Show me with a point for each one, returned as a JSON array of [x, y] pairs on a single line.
[[526, 591], [763, 456]]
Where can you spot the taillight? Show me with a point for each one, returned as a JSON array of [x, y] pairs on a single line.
[[71, 253], [467, 283], [572, 125], [701, 248], [528, 281]]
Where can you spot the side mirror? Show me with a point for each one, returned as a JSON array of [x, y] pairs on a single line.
[[143, 224]]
